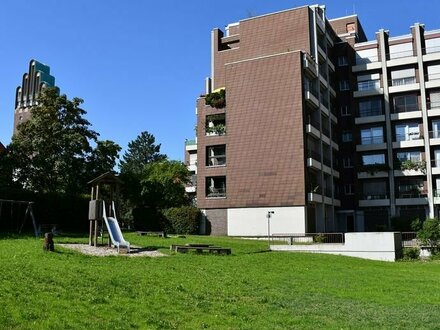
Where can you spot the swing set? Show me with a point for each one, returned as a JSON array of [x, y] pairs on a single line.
[[15, 210]]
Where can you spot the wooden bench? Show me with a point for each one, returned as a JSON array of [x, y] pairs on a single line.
[[151, 233], [200, 248]]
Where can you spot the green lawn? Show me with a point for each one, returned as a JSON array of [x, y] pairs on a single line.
[[250, 289]]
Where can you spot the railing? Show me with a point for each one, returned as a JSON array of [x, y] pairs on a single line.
[[370, 112], [405, 53], [190, 142], [218, 160], [434, 134], [409, 239], [313, 121], [368, 85], [372, 140], [314, 154], [432, 76], [403, 81], [411, 194], [430, 50], [406, 108], [307, 238], [409, 136], [366, 60], [216, 192], [433, 105], [373, 196]]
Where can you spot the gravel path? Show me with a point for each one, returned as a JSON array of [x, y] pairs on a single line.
[[104, 251]]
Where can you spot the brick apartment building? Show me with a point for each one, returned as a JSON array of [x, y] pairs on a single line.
[[330, 131], [26, 95]]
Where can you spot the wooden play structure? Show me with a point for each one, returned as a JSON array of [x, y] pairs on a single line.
[[102, 211], [18, 206]]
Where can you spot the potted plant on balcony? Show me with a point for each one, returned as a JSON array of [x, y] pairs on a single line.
[[416, 165], [216, 99]]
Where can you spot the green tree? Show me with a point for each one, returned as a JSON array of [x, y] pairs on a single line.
[[429, 234], [49, 151], [163, 184], [141, 151], [103, 158]]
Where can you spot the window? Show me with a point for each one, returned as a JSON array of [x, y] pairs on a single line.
[[407, 132], [342, 60], [371, 107], [403, 77], [216, 155], [216, 186], [373, 159], [215, 125], [436, 129], [405, 103], [345, 110], [347, 162], [372, 135], [347, 136], [375, 190], [344, 85], [409, 155], [348, 189]]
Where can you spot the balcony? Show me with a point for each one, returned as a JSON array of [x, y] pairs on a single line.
[[410, 167], [433, 109], [310, 66], [435, 167], [434, 137], [432, 80], [216, 187], [371, 143], [431, 54], [406, 112], [367, 63], [215, 125], [370, 116], [411, 197], [436, 196], [374, 199], [408, 140], [368, 88], [190, 145], [403, 85], [401, 58]]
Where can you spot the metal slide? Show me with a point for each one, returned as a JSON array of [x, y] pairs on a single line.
[[114, 230]]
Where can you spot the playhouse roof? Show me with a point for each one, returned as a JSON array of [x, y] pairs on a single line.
[[106, 178]]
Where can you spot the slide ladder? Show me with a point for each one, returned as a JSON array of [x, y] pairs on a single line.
[[114, 230]]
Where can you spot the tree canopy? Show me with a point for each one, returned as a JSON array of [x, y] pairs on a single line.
[[52, 152], [141, 151]]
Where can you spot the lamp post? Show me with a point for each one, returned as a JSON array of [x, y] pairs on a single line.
[[268, 216]]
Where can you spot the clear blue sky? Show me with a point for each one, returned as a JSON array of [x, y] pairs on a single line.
[[139, 65]]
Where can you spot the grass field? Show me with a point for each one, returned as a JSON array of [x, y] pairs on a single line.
[[250, 289]]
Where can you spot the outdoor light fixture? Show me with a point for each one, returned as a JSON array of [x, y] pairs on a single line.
[[268, 216]]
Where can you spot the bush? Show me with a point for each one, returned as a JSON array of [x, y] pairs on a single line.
[[412, 253], [183, 220]]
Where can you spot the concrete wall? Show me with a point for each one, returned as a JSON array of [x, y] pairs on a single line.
[[253, 221], [385, 246]]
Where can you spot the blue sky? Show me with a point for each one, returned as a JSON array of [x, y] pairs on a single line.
[[139, 65]]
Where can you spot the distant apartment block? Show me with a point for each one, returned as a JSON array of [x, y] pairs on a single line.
[[26, 95], [330, 131]]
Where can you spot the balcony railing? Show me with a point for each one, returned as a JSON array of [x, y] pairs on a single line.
[[432, 76], [373, 196], [368, 85], [409, 136], [190, 142], [411, 194], [366, 60], [370, 112], [403, 81], [433, 105], [430, 50], [216, 192], [434, 134], [405, 53], [406, 108], [313, 154], [372, 140]]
